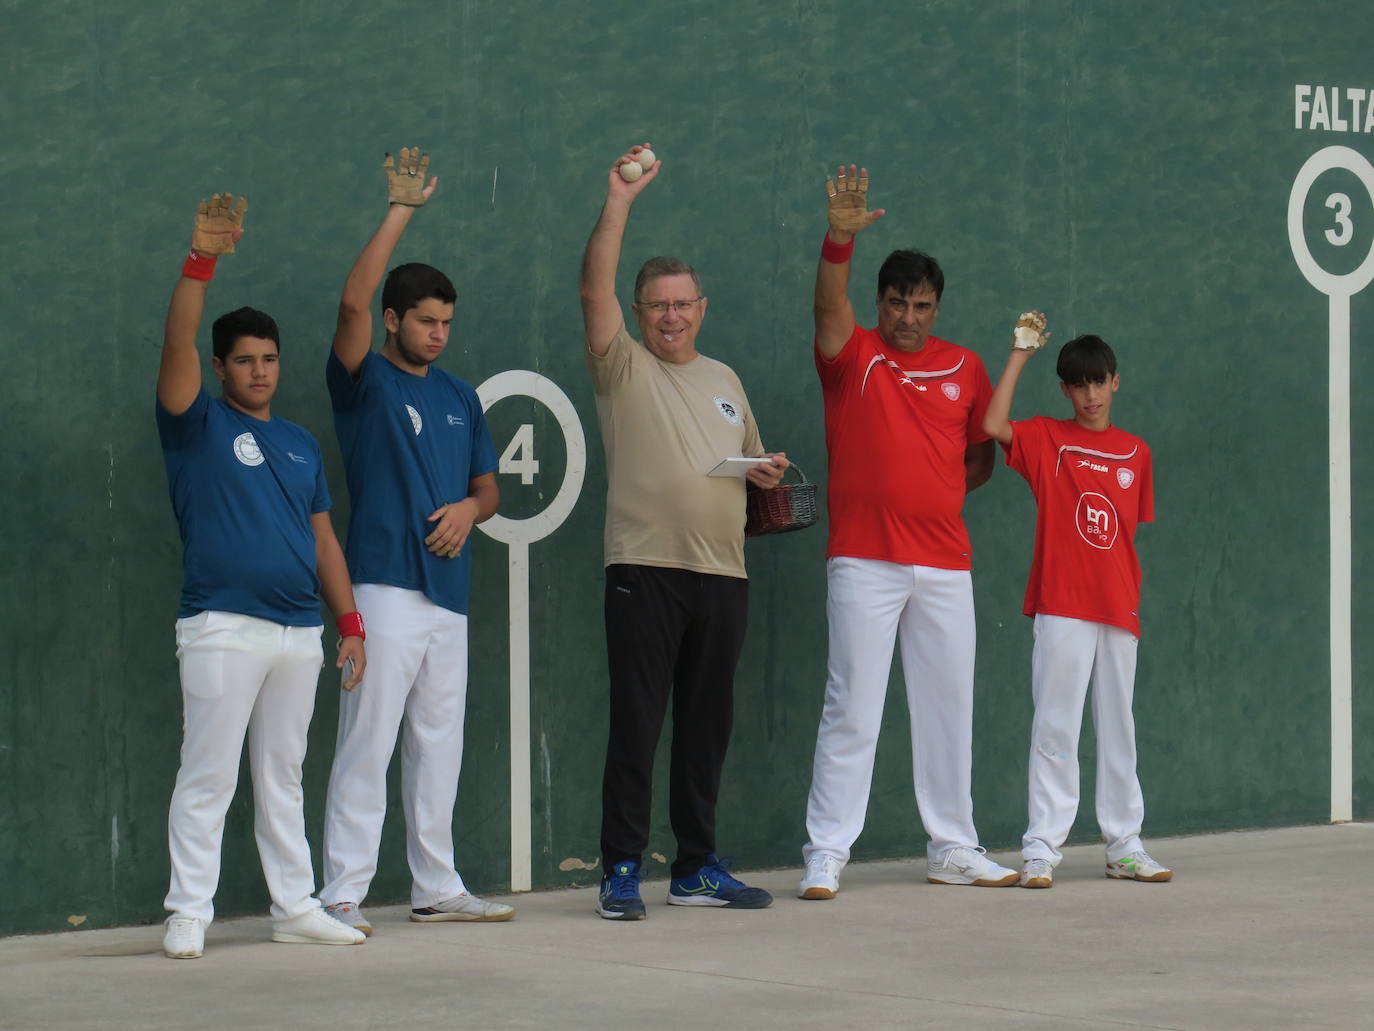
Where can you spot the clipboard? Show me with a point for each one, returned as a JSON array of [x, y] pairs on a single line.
[[734, 466]]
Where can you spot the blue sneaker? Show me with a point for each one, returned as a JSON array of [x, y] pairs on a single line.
[[619, 897], [713, 886]]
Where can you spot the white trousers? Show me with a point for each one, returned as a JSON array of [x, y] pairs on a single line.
[[1068, 655], [417, 672], [240, 674], [870, 604]]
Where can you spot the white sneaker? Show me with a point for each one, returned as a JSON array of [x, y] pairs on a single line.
[[1037, 873], [969, 864], [185, 938], [316, 927], [351, 914], [463, 907], [822, 880], [1138, 866]]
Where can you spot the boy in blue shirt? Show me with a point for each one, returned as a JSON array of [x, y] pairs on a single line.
[[252, 508], [421, 473]]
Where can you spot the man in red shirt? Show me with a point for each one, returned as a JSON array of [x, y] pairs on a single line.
[[1093, 484], [903, 427]]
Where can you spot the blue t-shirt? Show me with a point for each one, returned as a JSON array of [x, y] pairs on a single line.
[[410, 444], [243, 491]]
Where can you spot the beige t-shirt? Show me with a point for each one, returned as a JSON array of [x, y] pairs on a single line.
[[664, 426]]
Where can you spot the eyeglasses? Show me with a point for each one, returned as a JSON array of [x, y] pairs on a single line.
[[661, 307]]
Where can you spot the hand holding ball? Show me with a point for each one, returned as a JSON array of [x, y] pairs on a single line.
[[1029, 334], [640, 163]]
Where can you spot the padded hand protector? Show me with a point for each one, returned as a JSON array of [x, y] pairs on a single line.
[[847, 196], [405, 185], [219, 222]]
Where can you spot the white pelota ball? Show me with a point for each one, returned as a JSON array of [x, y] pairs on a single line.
[[630, 171], [646, 159]]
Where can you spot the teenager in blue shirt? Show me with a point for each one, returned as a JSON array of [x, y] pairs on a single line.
[[258, 550], [421, 473]]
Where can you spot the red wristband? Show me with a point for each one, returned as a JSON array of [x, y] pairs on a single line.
[[836, 253], [351, 625], [199, 266]]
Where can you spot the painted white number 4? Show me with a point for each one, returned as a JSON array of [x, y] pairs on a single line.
[[1340, 236], [519, 455]]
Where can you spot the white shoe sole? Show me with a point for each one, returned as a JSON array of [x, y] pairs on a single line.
[[610, 914], [983, 882], [434, 918], [696, 900], [1126, 875], [287, 938]]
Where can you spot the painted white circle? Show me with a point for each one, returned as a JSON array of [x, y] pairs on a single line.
[[1096, 520], [1325, 160], [522, 382], [246, 450], [415, 419]]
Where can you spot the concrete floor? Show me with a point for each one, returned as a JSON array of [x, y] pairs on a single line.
[[1259, 929]]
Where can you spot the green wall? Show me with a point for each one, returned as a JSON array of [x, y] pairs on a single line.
[[1124, 167]]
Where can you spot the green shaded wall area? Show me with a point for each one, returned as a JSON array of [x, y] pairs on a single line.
[[1125, 168]]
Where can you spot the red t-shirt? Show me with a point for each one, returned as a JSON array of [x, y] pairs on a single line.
[[1091, 490], [897, 424]]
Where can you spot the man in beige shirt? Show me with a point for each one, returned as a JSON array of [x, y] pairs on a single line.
[[676, 593]]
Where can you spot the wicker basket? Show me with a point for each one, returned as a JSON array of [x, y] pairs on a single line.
[[787, 507]]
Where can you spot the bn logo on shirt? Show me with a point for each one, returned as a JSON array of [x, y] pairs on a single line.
[[1096, 520]]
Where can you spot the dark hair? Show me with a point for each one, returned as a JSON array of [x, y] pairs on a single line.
[[1086, 359], [408, 285], [906, 271], [657, 268], [244, 322]]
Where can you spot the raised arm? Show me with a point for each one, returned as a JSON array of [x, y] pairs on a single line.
[[219, 224], [1027, 338], [406, 191], [848, 215], [602, 316]]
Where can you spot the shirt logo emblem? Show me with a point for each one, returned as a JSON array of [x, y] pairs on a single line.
[[455, 420], [950, 390], [297, 458], [1096, 520], [908, 377], [415, 419], [1125, 477], [728, 410], [1074, 449], [1086, 463], [246, 450]]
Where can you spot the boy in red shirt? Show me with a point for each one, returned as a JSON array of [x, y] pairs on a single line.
[[1093, 485]]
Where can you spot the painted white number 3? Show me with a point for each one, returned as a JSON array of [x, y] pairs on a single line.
[[1340, 236], [519, 455]]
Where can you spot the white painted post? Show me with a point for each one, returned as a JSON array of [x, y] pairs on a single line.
[[518, 535], [1339, 289]]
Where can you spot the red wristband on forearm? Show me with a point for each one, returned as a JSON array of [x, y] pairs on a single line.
[[836, 253], [200, 266], [351, 625]]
